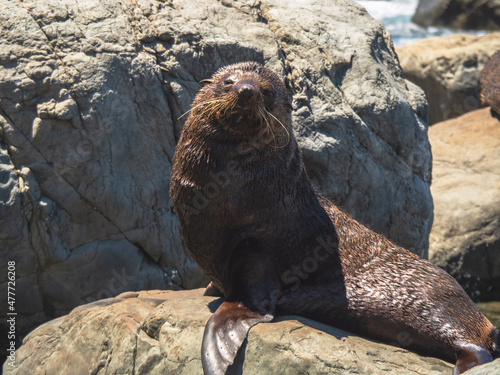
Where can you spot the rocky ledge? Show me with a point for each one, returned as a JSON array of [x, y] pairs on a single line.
[[160, 332]]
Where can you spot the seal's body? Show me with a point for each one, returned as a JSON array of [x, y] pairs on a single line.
[[490, 83], [270, 244]]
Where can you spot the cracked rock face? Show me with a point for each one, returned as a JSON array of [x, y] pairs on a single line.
[[160, 333], [465, 238], [90, 98]]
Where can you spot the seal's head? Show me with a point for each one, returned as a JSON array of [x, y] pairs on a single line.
[[244, 99]]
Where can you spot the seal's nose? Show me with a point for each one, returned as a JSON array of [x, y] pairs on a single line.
[[246, 91]]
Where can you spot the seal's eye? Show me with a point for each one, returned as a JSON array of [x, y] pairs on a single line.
[[228, 82], [268, 91]]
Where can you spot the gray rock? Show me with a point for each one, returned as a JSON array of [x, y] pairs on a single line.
[[458, 14], [465, 237], [160, 333], [448, 70], [90, 98]]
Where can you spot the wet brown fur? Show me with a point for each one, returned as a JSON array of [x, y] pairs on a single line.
[[490, 83], [255, 225]]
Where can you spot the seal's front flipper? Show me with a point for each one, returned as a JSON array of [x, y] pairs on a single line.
[[224, 334], [252, 296]]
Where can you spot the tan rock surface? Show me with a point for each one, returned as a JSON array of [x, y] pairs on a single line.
[[492, 368], [465, 237], [448, 69], [160, 333]]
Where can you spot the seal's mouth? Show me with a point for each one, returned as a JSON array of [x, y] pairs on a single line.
[[255, 120], [238, 115], [245, 119]]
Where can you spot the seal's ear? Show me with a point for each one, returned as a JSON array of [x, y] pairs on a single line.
[[206, 82]]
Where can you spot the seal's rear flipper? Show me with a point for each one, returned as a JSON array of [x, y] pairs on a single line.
[[224, 334], [470, 355]]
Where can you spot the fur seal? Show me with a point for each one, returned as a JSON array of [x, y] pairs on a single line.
[[490, 83], [270, 244]]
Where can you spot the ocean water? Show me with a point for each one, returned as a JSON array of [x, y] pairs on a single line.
[[396, 17]]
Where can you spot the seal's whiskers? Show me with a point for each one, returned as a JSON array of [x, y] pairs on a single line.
[[283, 126], [268, 126], [201, 104]]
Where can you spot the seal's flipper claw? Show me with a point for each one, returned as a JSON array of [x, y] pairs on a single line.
[[213, 291], [224, 334]]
